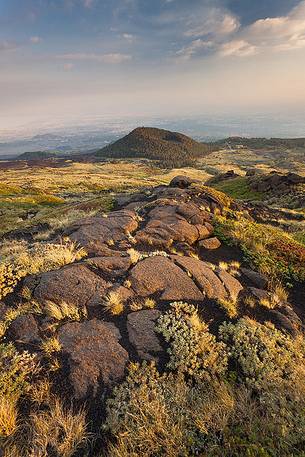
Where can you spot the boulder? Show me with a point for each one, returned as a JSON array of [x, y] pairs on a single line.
[[24, 329], [205, 278], [74, 284], [142, 335], [160, 274], [93, 233], [114, 266], [95, 357], [210, 243], [231, 284], [182, 182], [260, 281]]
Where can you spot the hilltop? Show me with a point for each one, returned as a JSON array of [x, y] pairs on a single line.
[[37, 155], [156, 144]]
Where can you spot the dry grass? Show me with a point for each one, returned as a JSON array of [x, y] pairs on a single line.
[[20, 259], [113, 303], [40, 392], [63, 310], [134, 255], [61, 428], [230, 305], [51, 346], [58, 431], [8, 416], [138, 304]]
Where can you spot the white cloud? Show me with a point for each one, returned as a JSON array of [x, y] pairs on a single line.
[[128, 37], [221, 31], [114, 58], [240, 48], [187, 52], [214, 21], [283, 33], [35, 39]]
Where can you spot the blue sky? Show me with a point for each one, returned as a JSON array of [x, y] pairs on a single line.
[[160, 57]]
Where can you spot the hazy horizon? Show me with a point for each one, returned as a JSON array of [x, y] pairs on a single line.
[[76, 59]]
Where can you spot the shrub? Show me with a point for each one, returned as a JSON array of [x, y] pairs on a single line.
[[192, 349], [264, 357], [16, 371], [164, 415]]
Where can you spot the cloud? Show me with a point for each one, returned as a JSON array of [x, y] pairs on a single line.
[[240, 48], [218, 30], [187, 52], [8, 45], [128, 37], [35, 39], [214, 21], [113, 58], [272, 34]]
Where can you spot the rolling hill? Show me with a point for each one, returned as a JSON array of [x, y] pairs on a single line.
[[156, 144]]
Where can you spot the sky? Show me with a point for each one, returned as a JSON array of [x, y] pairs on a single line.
[[70, 59]]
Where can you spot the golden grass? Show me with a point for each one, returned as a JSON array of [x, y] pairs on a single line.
[[113, 303], [8, 416], [60, 427], [63, 310], [230, 305], [20, 259], [51, 346]]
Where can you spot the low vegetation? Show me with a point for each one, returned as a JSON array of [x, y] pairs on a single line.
[[20, 259], [269, 249], [223, 386]]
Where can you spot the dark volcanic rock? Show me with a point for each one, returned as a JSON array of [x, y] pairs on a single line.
[[159, 274], [94, 355], [210, 243], [182, 181], [260, 281], [74, 284], [231, 284], [204, 276], [111, 266], [95, 233], [24, 329], [142, 335]]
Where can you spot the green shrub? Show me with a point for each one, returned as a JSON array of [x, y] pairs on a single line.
[[264, 357], [164, 415], [192, 349], [16, 369]]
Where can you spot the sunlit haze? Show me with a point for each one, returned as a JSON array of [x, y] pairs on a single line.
[[64, 61]]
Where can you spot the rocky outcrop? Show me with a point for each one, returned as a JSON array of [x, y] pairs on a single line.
[[74, 284], [25, 329], [142, 335], [161, 275], [276, 182], [146, 256], [94, 355]]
